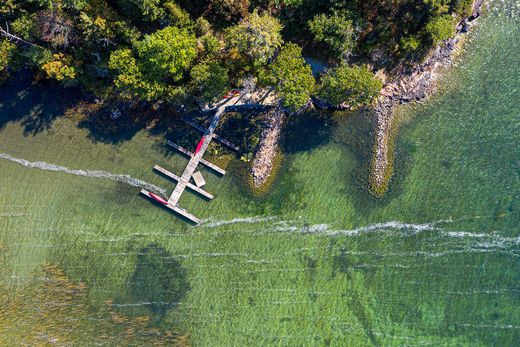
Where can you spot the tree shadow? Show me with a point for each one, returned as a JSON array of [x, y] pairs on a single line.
[[134, 118], [307, 131], [35, 106], [159, 280]]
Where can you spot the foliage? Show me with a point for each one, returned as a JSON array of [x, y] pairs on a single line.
[[6, 53], [290, 76], [336, 31], [60, 68], [23, 26], [228, 10], [210, 79], [129, 78], [177, 16], [440, 28], [165, 38], [258, 37], [355, 86], [409, 46], [463, 8], [167, 53]]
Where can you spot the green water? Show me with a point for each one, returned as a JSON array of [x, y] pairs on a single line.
[[318, 261]]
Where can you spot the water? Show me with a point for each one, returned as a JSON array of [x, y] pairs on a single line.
[[317, 262]]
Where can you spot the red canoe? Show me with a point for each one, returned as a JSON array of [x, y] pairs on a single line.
[[158, 198], [199, 145]]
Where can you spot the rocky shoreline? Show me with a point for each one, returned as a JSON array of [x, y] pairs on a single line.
[[413, 84], [263, 161]]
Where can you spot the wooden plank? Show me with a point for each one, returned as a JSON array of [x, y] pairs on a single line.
[[215, 136], [226, 142], [188, 185], [202, 160], [176, 209]]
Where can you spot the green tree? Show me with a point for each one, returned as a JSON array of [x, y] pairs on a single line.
[[162, 58], [440, 28], [6, 53], [210, 79], [291, 77], [355, 86], [167, 53], [336, 31], [409, 46], [143, 9], [228, 10], [463, 8], [258, 37], [177, 16]]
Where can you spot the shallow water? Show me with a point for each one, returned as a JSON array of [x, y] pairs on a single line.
[[317, 262]]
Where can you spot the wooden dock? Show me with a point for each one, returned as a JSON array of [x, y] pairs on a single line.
[[183, 181], [202, 160], [215, 136], [175, 209], [188, 185], [197, 157]]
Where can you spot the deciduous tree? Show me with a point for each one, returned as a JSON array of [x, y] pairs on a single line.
[[291, 77], [258, 37], [355, 86]]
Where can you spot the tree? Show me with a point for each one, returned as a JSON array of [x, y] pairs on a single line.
[[150, 10], [257, 37], [210, 79], [177, 16], [162, 57], [355, 86], [61, 69], [167, 53], [336, 31], [291, 77], [6, 53], [228, 10], [440, 28]]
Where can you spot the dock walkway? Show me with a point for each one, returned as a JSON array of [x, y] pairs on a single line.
[[197, 157]]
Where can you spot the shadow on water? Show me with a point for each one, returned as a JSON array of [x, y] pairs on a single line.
[[307, 131], [356, 131], [159, 280], [35, 106]]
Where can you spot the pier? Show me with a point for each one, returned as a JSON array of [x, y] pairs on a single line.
[[183, 181]]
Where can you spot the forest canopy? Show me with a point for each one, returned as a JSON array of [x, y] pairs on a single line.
[[168, 50]]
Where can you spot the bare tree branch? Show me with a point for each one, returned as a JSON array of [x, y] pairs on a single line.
[[11, 37]]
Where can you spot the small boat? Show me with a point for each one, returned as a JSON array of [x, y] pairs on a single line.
[[158, 198], [199, 146]]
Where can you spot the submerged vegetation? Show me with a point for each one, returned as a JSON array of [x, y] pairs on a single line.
[[167, 50]]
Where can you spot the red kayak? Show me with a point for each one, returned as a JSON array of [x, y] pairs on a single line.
[[199, 145], [158, 198], [232, 94]]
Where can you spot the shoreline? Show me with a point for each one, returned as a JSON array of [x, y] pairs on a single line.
[[416, 84], [262, 169]]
